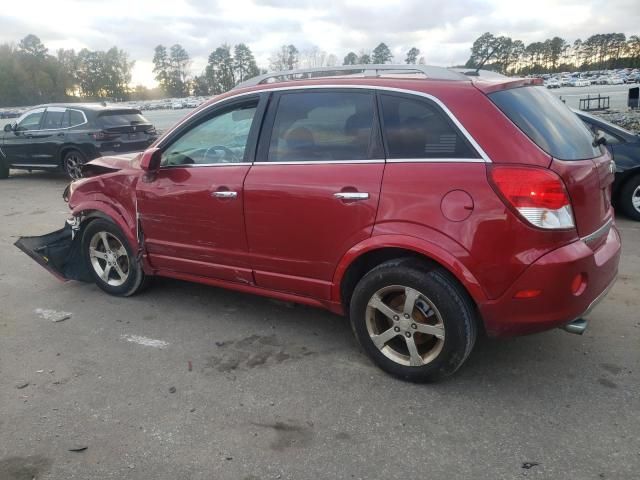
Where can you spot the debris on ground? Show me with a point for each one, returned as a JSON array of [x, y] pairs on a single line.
[[52, 315], [78, 449], [172, 390], [20, 386], [529, 465], [145, 341], [190, 366]]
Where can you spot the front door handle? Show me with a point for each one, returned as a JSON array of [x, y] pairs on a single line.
[[224, 194], [351, 195]]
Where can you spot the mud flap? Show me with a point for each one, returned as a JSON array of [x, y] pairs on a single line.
[[58, 252]]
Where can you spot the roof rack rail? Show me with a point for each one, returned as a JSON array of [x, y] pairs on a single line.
[[366, 70]]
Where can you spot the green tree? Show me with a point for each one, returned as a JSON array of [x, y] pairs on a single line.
[[161, 67], [244, 63], [350, 59], [220, 70], [364, 59], [179, 63], [412, 56], [31, 45], [381, 54]]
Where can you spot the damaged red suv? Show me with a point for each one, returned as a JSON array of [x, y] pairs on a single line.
[[425, 209]]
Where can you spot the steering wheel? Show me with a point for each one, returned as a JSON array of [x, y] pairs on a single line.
[[229, 156]]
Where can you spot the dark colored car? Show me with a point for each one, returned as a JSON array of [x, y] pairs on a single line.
[[67, 136], [625, 149], [425, 209]]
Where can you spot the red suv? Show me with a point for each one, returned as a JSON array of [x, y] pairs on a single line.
[[425, 209]]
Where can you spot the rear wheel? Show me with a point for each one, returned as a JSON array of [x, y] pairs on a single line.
[[110, 259], [630, 198], [414, 324], [72, 163]]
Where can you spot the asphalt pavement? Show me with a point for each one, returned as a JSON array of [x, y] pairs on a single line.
[[191, 382]]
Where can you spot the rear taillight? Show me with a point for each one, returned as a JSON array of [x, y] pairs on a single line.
[[537, 194], [102, 135]]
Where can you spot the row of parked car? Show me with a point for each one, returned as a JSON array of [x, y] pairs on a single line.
[[585, 79], [171, 104]]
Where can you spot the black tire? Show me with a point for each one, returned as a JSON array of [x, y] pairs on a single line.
[[112, 259], [454, 313], [4, 169], [72, 162], [629, 191]]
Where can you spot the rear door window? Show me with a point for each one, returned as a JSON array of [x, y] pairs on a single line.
[[53, 119], [322, 126], [548, 122], [414, 128]]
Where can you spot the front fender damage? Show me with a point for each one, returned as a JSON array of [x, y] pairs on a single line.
[[59, 252]]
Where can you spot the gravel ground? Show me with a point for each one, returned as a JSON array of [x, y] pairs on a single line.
[[191, 382]]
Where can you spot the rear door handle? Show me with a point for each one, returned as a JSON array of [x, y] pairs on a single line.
[[351, 195], [224, 194]]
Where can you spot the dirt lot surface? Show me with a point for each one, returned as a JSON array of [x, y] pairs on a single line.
[[191, 382]]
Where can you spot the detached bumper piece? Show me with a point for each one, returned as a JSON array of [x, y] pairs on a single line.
[[58, 252]]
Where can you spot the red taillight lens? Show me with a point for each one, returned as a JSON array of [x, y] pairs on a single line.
[[538, 194]]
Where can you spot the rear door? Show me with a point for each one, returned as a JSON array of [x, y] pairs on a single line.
[[313, 191], [587, 170], [192, 212]]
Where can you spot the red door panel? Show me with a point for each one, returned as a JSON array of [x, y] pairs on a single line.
[[192, 219], [298, 229]]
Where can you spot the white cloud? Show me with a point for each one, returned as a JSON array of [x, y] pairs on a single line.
[[443, 31]]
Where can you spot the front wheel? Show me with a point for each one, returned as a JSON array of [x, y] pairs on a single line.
[[417, 325], [630, 198], [110, 259]]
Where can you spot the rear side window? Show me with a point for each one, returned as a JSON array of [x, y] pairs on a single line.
[[317, 126], [548, 122], [121, 118], [416, 128]]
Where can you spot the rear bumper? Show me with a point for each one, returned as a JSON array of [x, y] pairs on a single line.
[[553, 274]]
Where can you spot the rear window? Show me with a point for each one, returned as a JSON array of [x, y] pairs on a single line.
[[548, 122], [121, 118]]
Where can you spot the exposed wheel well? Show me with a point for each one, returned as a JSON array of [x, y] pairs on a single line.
[[373, 258], [367, 261]]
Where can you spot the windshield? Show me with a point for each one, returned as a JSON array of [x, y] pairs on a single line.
[[548, 122]]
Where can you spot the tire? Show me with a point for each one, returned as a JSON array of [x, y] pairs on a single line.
[[72, 162], [4, 169], [441, 324], [631, 191], [114, 268]]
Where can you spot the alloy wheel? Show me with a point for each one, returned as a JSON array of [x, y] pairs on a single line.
[[405, 325], [635, 198], [73, 166], [109, 258]]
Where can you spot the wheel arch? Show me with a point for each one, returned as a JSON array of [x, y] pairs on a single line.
[[90, 211], [376, 250]]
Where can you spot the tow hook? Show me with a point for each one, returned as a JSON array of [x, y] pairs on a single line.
[[578, 326]]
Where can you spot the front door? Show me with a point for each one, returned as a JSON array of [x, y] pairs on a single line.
[[192, 211], [313, 192], [18, 144]]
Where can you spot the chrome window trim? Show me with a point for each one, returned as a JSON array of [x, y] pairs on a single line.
[[320, 162], [40, 166], [198, 165], [599, 232], [437, 101], [436, 160]]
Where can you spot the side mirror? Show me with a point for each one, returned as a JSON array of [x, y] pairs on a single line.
[[150, 160], [8, 127]]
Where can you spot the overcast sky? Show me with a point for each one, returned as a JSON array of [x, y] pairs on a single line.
[[442, 29]]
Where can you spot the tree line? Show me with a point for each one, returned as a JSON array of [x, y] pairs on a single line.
[[29, 74], [598, 52]]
